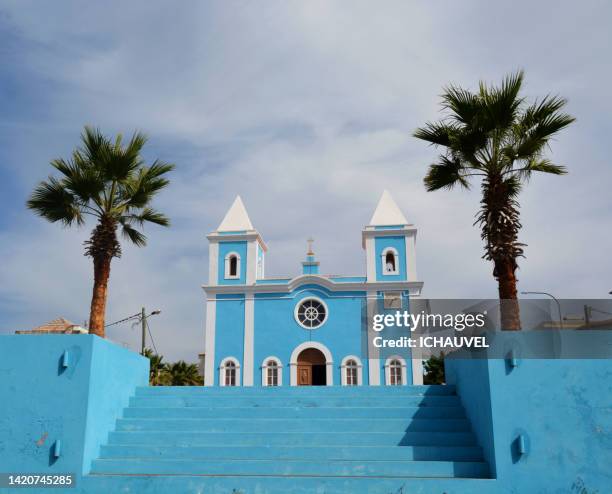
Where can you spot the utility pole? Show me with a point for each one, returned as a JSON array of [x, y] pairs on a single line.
[[587, 316], [143, 321]]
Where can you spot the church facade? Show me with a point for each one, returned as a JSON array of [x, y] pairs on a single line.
[[310, 329]]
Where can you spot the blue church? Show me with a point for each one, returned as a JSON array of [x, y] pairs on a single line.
[[310, 329]]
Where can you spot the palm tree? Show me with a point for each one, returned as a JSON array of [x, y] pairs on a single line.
[[184, 374], [158, 370], [110, 182], [494, 135]]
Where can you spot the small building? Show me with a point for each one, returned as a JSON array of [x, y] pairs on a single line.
[[57, 326], [309, 329]]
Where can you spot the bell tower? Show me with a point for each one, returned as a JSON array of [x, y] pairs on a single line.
[[390, 244], [236, 250]]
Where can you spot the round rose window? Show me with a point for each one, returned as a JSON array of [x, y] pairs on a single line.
[[311, 313]]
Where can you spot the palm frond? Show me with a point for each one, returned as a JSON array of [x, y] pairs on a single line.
[[54, 202], [445, 175], [136, 237], [147, 215], [501, 104], [463, 105], [437, 133]]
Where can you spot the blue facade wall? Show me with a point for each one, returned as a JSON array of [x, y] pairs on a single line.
[[563, 408], [229, 331], [43, 401], [399, 244], [224, 249], [277, 333]]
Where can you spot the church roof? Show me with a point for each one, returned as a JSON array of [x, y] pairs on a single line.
[[236, 219], [387, 212]]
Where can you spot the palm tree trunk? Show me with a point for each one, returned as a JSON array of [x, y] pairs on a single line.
[[98, 299], [101, 247], [500, 222], [509, 307]]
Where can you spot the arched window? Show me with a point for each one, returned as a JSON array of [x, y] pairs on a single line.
[[229, 372], [271, 372], [395, 371], [232, 266], [390, 261], [351, 371]]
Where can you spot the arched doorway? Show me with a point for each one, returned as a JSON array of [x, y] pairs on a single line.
[[311, 368]]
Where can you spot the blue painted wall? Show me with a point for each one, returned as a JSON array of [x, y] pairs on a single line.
[[229, 331], [399, 244], [224, 249], [277, 333], [42, 402], [564, 409]]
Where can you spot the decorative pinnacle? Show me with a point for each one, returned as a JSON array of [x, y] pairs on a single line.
[[310, 242]]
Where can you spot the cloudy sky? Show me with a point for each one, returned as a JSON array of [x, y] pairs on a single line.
[[306, 110]]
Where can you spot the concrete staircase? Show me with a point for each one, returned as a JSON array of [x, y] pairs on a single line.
[[319, 439]]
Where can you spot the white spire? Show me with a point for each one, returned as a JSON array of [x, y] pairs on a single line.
[[236, 219], [387, 212]]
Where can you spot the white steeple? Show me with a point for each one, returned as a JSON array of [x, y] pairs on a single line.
[[236, 219], [387, 212]]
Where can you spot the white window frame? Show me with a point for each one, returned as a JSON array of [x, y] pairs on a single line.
[[343, 367], [228, 256], [222, 367], [384, 261], [388, 370], [305, 299], [264, 371]]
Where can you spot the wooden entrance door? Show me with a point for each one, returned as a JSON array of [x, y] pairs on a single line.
[[306, 360], [304, 375]]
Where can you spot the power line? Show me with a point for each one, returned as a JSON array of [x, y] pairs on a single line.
[[123, 320], [151, 336]]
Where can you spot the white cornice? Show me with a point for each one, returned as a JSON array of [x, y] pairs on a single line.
[[237, 237], [369, 232], [413, 287]]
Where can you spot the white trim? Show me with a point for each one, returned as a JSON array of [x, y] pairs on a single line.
[[228, 256], [417, 371], [329, 363], [373, 352], [383, 256], [388, 372], [249, 336], [222, 370], [413, 287], [370, 260], [343, 367], [237, 237], [411, 270], [305, 299], [213, 263], [251, 263], [209, 342], [264, 370]]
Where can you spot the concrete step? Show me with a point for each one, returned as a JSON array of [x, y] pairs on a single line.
[[275, 438], [294, 467], [292, 401], [224, 484], [409, 453], [378, 412], [297, 390], [293, 425]]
